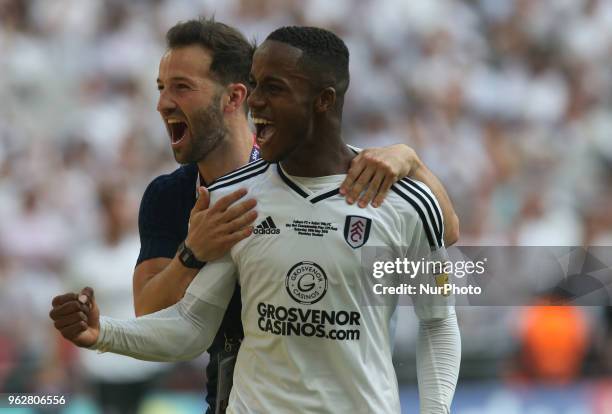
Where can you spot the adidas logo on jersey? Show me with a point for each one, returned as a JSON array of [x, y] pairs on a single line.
[[266, 227]]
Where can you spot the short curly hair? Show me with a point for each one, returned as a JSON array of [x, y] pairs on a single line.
[[324, 53]]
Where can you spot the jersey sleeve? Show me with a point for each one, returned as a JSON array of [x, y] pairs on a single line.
[[424, 242], [160, 225], [215, 282], [438, 352], [439, 342], [181, 331]]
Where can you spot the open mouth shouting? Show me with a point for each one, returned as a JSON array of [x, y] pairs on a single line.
[[178, 131], [264, 130]]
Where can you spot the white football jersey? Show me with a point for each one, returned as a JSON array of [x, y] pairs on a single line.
[[313, 341]]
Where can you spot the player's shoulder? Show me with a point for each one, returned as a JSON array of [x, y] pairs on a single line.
[[248, 175], [412, 195], [181, 180], [414, 200], [164, 210]]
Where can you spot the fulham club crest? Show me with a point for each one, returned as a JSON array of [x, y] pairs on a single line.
[[357, 230]]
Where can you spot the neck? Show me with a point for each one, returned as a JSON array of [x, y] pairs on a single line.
[[320, 155], [233, 152]]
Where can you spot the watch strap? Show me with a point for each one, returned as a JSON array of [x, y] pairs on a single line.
[[187, 258]]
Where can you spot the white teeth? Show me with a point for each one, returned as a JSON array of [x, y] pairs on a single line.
[[261, 121], [174, 121]]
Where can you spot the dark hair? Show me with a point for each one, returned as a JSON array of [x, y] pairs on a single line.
[[231, 52], [324, 53]]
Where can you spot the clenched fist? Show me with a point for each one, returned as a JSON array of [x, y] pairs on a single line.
[[77, 317]]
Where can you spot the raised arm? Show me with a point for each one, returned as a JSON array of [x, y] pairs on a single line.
[[179, 332], [376, 169]]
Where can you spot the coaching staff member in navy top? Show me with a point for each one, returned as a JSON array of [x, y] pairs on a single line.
[[203, 85]]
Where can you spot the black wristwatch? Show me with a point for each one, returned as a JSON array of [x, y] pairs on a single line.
[[187, 257]]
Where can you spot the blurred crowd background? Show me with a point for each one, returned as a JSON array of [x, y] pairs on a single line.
[[507, 101]]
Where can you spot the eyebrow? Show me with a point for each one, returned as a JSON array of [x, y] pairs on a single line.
[[269, 78], [177, 78]]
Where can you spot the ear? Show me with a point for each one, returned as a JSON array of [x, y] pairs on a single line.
[[326, 100], [235, 98]]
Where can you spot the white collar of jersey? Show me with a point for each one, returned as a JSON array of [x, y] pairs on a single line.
[[313, 197], [199, 182], [197, 185]]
